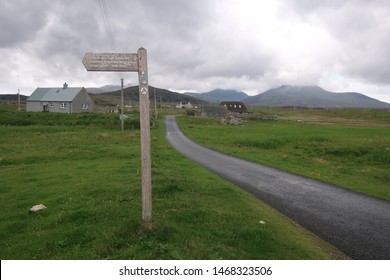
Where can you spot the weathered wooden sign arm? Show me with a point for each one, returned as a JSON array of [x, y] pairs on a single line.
[[116, 62], [132, 62]]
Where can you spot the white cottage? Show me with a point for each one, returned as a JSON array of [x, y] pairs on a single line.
[[186, 105], [60, 100]]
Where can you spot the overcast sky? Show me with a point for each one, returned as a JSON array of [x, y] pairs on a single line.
[[201, 45]]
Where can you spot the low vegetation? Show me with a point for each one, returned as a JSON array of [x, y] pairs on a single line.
[[346, 147], [11, 117], [88, 175]]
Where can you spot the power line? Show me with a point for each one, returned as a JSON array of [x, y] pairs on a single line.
[[107, 25]]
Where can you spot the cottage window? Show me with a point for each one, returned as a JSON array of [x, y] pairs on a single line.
[[239, 106], [235, 106], [62, 105], [84, 106]]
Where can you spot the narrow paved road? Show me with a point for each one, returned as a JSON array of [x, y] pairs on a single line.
[[357, 224]]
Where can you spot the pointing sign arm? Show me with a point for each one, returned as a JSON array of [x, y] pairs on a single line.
[[123, 62]]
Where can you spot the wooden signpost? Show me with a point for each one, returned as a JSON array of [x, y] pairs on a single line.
[[132, 62]]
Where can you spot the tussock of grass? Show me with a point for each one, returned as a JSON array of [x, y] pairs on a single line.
[[270, 143]]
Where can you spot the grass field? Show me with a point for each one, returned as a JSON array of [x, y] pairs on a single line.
[[88, 175], [346, 147]]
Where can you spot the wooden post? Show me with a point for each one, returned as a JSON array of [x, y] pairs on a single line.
[[122, 120], [155, 105], [132, 62], [145, 135], [19, 100]]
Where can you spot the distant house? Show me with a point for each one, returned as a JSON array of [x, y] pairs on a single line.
[[214, 111], [234, 106], [60, 100], [186, 105]]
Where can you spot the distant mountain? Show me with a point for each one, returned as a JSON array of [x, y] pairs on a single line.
[[219, 95], [131, 95], [313, 96], [106, 88]]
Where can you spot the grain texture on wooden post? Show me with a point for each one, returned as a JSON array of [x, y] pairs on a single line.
[[145, 135]]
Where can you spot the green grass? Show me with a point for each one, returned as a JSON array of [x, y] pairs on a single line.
[[10, 117], [346, 115], [89, 178], [340, 147]]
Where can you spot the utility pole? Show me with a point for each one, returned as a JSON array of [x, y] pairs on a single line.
[[155, 105], [18, 99], [122, 120]]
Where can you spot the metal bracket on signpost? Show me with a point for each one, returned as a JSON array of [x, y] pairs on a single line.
[[132, 62]]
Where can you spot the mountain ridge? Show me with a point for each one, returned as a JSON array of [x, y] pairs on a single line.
[[313, 96], [284, 96], [219, 95], [132, 94], [106, 88]]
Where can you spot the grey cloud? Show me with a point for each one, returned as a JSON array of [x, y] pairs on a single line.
[[157, 22], [176, 33], [74, 25], [193, 40], [364, 34], [305, 7], [362, 31], [196, 44], [21, 20]]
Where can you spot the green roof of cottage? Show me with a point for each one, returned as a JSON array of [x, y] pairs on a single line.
[[55, 94]]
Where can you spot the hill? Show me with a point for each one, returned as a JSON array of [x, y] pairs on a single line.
[[313, 96], [219, 95], [131, 95], [106, 88], [12, 98]]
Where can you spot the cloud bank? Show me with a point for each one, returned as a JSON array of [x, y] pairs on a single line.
[[246, 45]]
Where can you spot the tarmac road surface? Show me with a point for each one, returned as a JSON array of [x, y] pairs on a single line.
[[357, 224]]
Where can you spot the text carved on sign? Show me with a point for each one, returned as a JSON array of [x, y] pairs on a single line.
[[126, 62]]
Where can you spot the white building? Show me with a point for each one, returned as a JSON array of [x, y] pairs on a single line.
[[186, 105]]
